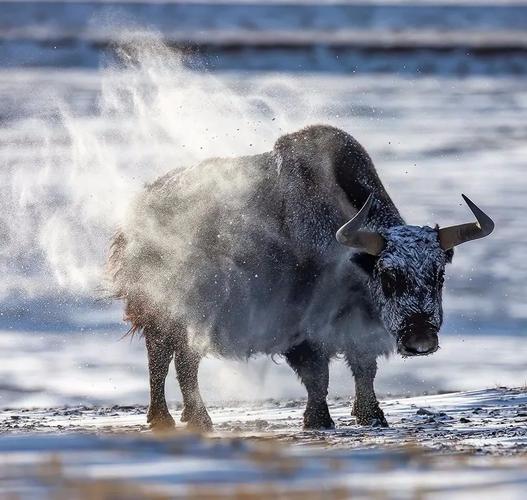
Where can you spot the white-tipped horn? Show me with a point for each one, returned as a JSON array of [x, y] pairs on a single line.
[[350, 234], [452, 236]]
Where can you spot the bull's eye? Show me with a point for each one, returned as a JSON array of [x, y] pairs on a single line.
[[388, 283]]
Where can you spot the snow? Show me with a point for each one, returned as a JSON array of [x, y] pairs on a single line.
[[483, 433]]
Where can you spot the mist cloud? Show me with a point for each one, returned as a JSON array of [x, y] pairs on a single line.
[[75, 164]]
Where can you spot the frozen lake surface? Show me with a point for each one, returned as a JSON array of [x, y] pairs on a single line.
[[68, 180]]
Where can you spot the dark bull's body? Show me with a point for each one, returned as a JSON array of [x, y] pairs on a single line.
[[239, 256]]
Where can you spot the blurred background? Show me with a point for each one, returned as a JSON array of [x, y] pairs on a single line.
[[99, 97]]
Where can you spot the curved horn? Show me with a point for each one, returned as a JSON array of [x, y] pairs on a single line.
[[452, 236], [350, 234]]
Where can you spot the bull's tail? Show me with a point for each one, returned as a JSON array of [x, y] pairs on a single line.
[[135, 311]]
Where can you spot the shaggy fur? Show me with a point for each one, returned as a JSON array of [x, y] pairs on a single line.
[[238, 256]]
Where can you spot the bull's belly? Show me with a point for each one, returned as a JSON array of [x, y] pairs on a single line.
[[263, 310], [370, 343], [271, 332]]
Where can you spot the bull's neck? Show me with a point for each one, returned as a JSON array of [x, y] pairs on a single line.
[[358, 180]]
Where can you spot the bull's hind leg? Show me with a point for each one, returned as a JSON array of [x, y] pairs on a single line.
[[365, 407], [312, 366], [160, 347], [187, 366]]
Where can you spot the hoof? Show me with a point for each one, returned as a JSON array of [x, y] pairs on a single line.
[[185, 415], [197, 420], [160, 421], [372, 416], [318, 419]]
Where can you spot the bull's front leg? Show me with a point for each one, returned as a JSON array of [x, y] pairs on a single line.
[[312, 366], [366, 408]]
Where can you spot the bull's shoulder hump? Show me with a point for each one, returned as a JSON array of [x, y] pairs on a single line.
[[319, 148], [316, 137]]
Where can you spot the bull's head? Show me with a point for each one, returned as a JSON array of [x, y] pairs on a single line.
[[406, 269]]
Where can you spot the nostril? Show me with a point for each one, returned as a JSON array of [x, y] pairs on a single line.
[[421, 343], [423, 346]]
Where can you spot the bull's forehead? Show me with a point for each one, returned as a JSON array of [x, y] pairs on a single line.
[[407, 246]]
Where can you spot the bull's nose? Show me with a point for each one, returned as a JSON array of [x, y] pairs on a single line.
[[419, 344]]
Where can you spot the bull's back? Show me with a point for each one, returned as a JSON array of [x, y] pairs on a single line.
[[241, 252]]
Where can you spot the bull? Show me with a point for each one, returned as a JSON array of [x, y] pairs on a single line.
[[235, 257]]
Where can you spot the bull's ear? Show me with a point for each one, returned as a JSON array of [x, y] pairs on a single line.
[[365, 261], [449, 255]]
